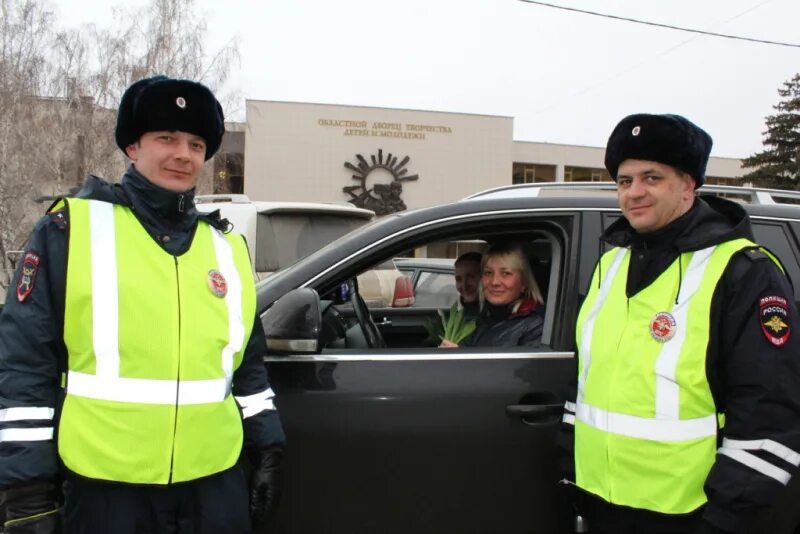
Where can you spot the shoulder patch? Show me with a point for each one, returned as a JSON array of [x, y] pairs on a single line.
[[27, 275], [773, 314]]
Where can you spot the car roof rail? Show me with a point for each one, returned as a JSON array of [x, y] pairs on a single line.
[[236, 198], [746, 194]]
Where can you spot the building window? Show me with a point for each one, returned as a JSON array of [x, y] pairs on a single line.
[[228, 173], [585, 174], [526, 173], [530, 175]]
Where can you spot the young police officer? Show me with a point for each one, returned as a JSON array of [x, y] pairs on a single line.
[[138, 314], [686, 416]]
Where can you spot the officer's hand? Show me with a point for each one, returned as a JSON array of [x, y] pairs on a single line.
[[266, 484], [32, 509]]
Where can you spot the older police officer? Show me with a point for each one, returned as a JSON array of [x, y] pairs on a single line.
[[686, 415], [130, 346]]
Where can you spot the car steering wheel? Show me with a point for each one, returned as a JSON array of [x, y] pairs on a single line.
[[371, 332]]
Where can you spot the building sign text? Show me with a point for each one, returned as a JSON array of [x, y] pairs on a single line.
[[384, 129]]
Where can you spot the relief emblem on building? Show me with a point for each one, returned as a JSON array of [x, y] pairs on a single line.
[[369, 193]]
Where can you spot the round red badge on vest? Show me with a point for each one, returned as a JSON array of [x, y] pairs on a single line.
[[217, 283], [663, 327]]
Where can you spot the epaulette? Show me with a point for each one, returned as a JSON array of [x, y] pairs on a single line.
[[215, 219], [59, 218], [755, 253]]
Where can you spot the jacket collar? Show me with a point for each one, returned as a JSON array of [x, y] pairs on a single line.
[[162, 202], [153, 204], [518, 308], [710, 221]]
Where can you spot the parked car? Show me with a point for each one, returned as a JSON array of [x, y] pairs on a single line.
[[433, 280], [387, 433], [280, 233]]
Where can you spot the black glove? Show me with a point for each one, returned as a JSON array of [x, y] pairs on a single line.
[[266, 484], [32, 509]]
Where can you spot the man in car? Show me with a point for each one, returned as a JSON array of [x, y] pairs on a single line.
[[130, 328], [467, 270], [686, 415]]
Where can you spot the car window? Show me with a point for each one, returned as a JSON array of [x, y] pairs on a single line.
[[407, 272], [609, 218], [409, 323], [773, 235], [377, 286]]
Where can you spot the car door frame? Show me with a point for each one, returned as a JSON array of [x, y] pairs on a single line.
[[321, 371]]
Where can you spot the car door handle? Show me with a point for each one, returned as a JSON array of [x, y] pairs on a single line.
[[533, 414], [384, 322]]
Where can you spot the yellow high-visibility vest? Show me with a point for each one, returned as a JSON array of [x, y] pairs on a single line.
[[153, 341], [645, 420]]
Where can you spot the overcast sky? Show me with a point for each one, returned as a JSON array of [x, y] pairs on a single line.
[[565, 77]]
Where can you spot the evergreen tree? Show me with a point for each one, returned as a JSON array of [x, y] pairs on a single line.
[[778, 165]]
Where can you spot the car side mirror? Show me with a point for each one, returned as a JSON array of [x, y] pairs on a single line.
[[403, 292], [294, 323]]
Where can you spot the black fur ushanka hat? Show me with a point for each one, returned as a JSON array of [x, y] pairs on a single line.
[[669, 139], [161, 103]]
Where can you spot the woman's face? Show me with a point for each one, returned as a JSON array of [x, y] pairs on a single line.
[[501, 284]]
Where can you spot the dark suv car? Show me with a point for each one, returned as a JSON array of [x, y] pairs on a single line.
[[386, 432]]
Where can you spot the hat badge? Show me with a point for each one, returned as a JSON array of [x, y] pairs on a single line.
[[636, 130], [180, 102]]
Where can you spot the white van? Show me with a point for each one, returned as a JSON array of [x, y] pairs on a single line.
[[280, 233]]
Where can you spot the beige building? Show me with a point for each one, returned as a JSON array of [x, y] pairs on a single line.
[[389, 159], [317, 152]]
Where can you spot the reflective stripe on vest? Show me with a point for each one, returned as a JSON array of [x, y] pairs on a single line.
[[152, 350], [645, 420]]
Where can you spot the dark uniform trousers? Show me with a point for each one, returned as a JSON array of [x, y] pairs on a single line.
[[212, 505], [603, 518]]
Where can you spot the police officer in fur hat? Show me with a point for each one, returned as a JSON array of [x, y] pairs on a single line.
[[686, 413], [131, 350]]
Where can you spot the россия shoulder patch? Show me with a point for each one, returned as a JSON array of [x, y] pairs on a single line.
[[27, 275], [773, 314]]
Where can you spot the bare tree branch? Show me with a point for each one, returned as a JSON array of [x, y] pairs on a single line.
[[59, 90]]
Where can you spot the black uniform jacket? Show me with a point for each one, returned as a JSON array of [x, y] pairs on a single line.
[[754, 379], [515, 325], [33, 356]]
